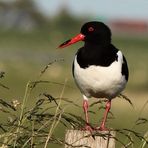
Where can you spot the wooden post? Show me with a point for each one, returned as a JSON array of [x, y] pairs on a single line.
[[84, 139]]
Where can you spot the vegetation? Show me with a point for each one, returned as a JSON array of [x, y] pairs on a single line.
[[42, 123], [38, 104]]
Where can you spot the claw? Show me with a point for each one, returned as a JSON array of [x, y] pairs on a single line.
[[103, 129], [88, 128]]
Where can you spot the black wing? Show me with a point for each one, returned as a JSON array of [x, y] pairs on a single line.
[[125, 71]]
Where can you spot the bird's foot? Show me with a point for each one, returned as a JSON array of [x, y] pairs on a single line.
[[101, 128], [88, 127]]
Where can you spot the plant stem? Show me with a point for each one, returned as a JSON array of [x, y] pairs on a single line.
[[55, 121], [26, 95]]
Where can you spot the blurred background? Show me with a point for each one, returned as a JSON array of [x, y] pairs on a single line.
[[31, 30]]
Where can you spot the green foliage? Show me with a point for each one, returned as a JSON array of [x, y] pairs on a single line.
[[42, 115], [37, 124]]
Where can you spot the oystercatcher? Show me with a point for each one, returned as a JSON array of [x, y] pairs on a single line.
[[99, 69]]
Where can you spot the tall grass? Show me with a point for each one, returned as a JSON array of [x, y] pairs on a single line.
[[37, 124]]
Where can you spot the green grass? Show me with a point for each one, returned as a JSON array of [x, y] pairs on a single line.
[[24, 54], [43, 123], [23, 57]]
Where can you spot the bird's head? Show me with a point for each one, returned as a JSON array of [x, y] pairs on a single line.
[[92, 32]]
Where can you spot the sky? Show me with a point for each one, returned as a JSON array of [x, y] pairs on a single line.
[[132, 9]]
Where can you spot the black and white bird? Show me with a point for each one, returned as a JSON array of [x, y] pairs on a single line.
[[99, 69]]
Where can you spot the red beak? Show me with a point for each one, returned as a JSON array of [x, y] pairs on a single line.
[[79, 37]]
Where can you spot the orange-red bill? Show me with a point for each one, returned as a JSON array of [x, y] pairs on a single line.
[[79, 37]]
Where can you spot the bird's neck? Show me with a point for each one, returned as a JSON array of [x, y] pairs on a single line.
[[92, 46]]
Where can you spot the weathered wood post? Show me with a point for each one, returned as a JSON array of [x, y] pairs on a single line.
[[84, 139]]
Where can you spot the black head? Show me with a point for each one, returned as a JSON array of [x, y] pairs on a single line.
[[91, 32], [96, 32]]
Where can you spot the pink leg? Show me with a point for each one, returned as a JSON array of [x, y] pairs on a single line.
[[85, 108], [108, 106]]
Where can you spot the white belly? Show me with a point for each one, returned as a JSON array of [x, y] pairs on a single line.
[[98, 81]]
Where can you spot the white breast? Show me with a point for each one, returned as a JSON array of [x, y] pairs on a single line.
[[100, 82]]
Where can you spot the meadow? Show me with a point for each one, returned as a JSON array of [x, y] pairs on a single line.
[[38, 76]]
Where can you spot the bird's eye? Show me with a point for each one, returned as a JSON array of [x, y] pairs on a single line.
[[90, 29]]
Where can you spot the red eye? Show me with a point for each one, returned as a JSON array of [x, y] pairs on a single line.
[[90, 29]]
